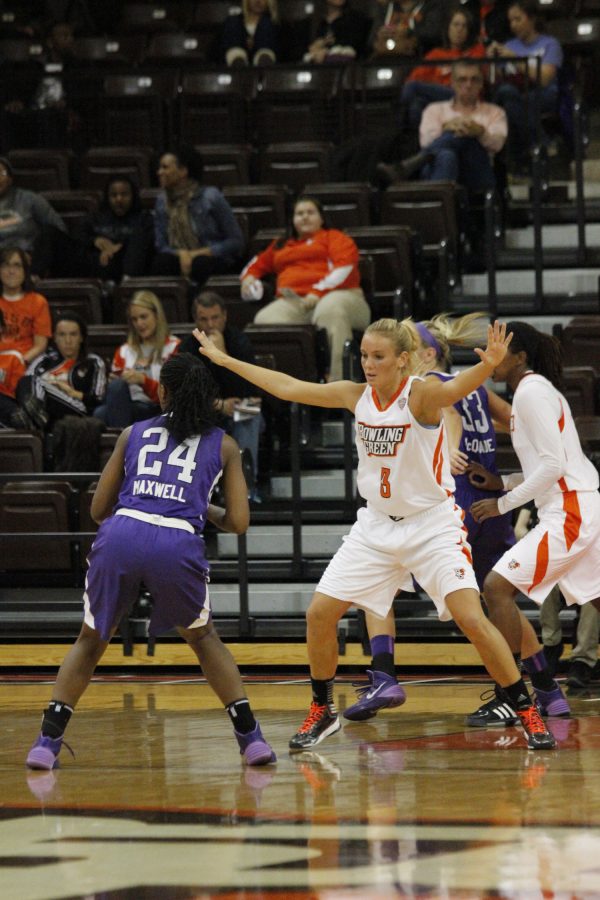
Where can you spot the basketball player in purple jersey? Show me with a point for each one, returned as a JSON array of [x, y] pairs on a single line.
[[473, 443], [152, 503]]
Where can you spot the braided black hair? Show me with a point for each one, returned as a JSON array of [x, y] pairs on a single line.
[[541, 350], [191, 396]]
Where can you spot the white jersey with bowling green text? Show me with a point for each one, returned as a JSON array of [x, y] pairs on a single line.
[[546, 442], [403, 466]]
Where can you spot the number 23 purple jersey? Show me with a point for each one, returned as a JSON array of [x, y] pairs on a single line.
[[168, 478]]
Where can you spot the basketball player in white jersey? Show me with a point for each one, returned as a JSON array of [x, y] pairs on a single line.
[[564, 547], [410, 524]]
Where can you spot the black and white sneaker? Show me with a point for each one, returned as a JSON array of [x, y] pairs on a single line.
[[495, 712], [320, 722]]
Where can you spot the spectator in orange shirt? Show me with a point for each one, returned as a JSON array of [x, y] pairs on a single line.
[[26, 313], [426, 84], [318, 281], [12, 369]]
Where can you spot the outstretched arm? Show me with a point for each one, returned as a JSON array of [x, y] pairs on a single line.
[[428, 397], [343, 394]]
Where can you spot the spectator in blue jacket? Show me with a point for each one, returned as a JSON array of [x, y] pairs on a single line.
[[196, 233]]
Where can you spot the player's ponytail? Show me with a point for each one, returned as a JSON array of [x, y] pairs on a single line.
[[442, 332], [542, 351], [191, 396]]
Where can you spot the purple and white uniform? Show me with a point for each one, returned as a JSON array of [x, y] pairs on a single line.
[[489, 540], [155, 533]]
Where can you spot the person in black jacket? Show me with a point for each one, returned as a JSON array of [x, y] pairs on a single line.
[[210, 316], [66, 380], [120, 236], [116, 240]]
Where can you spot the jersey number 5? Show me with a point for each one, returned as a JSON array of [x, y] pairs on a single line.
[[385, 488]]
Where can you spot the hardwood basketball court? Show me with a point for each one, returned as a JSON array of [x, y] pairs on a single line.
[[156, 803]]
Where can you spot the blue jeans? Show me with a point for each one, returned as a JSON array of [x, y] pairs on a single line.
[[119, 410], [520, 112], [460, 159], [416, 95], [247, 433]]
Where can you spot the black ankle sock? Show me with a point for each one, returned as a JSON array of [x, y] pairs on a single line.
[[543, 680], [384, 662], [322, 692], [518, 695], [241, 716], [56, 718]]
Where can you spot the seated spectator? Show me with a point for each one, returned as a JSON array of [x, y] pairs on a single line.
[[27, 324], [520, 105], [24, 217], [196, 233], [341, 34], [210, 315], [406, 27], [318, 280], [251, 35], [12, 369], [42, 117], [132, 393], [426, 84], [493, 18], [66, 380], [117, 240], [458, 137]]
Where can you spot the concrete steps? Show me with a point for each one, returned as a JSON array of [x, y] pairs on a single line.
[[326, 484], [270, 541]]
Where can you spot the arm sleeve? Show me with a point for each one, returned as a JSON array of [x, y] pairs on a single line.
[[261, 265], [343, 254], [44, 214], [431, 124], [42, 324], [94, 387], [232, 240], [496, 130], [161, 237], [540, 417]]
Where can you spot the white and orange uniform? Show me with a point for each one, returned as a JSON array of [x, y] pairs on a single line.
[[564, 548], [411, 523]]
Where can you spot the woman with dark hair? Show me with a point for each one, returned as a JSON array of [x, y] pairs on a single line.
[[195, 231], [116, 240], [66, 379], [564, 547], [318, 280], [251, 35], [152, 503], [520, 106], [120, 236], [427, 84], [27, 324]]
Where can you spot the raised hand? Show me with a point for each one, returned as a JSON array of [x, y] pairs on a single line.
[[497, 345], [209, 348]]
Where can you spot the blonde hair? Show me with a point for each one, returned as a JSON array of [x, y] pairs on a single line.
[[272, 5], [402, 335], [467, 331], [148, 300]]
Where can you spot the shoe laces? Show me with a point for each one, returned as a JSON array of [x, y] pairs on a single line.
[[315, 713], [531, 720]]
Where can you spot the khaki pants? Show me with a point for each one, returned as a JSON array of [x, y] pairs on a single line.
[[339, 313]]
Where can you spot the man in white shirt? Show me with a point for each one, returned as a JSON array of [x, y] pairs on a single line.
[[459, 137]]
